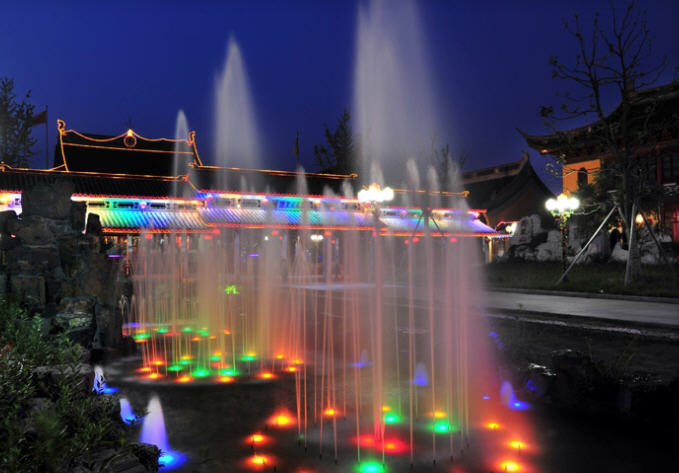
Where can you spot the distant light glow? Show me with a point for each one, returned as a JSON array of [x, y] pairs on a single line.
[[200, 373], [257, 438], [282, 420], [517, 444], [493, 425], [230, 372], [250, 356], [330, 412], [486, 398], [392, 418], [184, 379], [225, 379], [266, 375], [370, 466], [509, 466], [258, 460], [439, 414], [174, 368], [170, 460]]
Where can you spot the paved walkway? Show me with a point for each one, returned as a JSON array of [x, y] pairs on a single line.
[[661, 313]]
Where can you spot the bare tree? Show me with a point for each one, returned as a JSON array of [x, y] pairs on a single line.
[[613, 62]]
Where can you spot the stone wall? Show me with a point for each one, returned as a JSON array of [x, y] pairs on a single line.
[[55, 263]]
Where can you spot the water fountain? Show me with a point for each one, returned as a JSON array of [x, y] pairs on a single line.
[[379, 331], [153, 432]]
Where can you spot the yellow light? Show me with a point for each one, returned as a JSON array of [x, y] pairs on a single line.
[[258, 460], [158, 362], [279, 357], [217, 353], [291, 369], [212, 337], [186, 357], [184, 379], [282, 420], [639, 219], [509, 466], [154, 376], [256, 438], [251, 353], [386, 408], [227, 332], [225, 379], [517, 444], [266, 375], [144, 369], [330, 412], [297, 361], [493, 426], [439, 414]]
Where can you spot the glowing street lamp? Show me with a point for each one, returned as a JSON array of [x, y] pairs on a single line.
[[375, 194], [562, 208]]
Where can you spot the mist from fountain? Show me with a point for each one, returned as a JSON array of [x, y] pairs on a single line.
[[236, 137]]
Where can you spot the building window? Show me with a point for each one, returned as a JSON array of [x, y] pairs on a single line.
[[582, 178], [670, 168]]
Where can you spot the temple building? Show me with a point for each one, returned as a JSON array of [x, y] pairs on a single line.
[[136, 184], [655, 119]]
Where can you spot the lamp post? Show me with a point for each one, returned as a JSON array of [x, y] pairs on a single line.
[[562, 208]]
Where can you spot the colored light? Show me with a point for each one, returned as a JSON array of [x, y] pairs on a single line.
[[257, 438], [509, 466], [228, 372], [163, 330], [170, 460], [517, 444], [266, 375], [281, 420], [154, 376], [187, 329], [200, 373], [279, 357], [291, 369], [227, 332], [158, 362], [370, 467], [144, 369], [330, 412], [185, 362], [195, 339], [386, 408], [215, 358], [486, 398], [392, 419], [184, 379], [439, 414], [225, 379], [519, 405], [298, 362], [442, 427], [142, 336], [251, 356], [174, 368], [493, 426], [259, 460]]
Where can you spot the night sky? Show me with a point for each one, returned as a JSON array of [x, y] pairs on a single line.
[[102, 65]]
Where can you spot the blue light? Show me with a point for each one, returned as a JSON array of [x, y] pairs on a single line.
[[486, 398], [519, 406], [110, 390], [253, 255], [170, 460]]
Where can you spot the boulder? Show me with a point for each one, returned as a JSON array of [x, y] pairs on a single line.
[[51, 201]]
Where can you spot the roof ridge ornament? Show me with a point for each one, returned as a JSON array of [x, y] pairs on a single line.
[[130, 141]]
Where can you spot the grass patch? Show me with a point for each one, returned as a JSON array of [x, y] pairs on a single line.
[[605, 278]]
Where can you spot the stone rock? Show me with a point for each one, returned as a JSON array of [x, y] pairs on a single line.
[[539, 380], [30, 289], [618, 255], [8, 221], [551, 249], [93, 225], [34, 230], [51, 201], [78, 215]]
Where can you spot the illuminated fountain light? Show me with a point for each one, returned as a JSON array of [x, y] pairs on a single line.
[[282, 419], [509, 399], [421, 379], [371, 466], [126, 413], [363, 360], [392, 418], [509, 466], [153, 432], [99, 383]]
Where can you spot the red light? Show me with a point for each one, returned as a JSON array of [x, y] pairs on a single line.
[[275, 232], [453, 240], [282, 419], [148, 236], [333, 241], [406, 242], [416, 239], [208, 237], [257, 438], [327, 233]]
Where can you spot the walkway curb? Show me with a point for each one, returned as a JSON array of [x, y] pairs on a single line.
[[588, 295]]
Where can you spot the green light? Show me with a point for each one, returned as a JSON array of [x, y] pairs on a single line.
[[228, 372], [200, 373], [142, 336], [231, 290], [185, 362], [392, 418], [204, 332], [442, 427], [248, 357], [163, 330], [175, 367], [215, 358], [371, 467], [187, 329]]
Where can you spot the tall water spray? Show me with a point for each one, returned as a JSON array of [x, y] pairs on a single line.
[[236, 137], [394, 109]]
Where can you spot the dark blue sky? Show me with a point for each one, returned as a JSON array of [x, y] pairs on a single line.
[[99, 64]]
